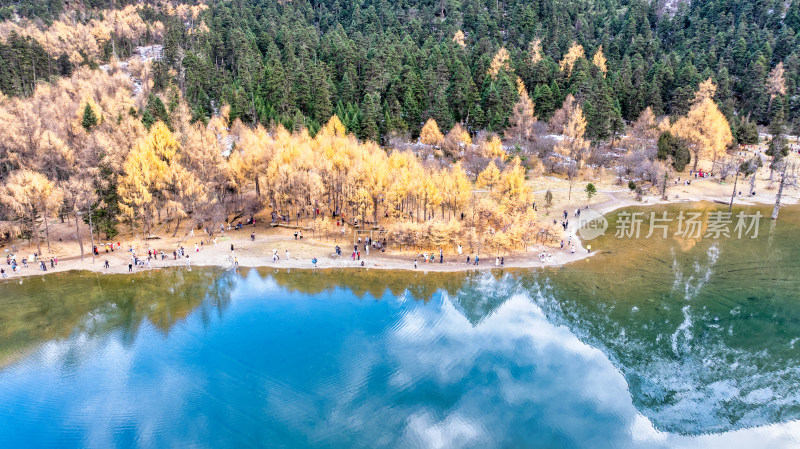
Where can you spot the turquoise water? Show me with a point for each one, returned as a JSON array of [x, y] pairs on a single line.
[[650, 344]]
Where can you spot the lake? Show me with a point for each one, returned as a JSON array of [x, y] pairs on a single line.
[[655, 342]]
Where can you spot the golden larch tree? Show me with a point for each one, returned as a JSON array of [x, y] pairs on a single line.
[[535, 50], [523, 116], [32, 197], [458, 38], [776, 83], [514, 192], [492, 148], [489, 177], [599, 60], [562, 114], [573, 146], [430, 134], [501, 61], [456, 140], [146, 171], [574, 53], [704, 127], [707, 89]]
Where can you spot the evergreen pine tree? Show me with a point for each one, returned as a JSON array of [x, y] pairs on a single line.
[[371, 114], [89, 120]]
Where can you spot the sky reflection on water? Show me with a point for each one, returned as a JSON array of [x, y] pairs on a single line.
[[260, 364]]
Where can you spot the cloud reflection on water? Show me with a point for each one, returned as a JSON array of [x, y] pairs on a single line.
[[465, 369]]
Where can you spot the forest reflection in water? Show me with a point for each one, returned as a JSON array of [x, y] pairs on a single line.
[[703, 332]]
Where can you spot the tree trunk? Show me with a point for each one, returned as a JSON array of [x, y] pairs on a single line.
[[569, 196], [91, 232], [177, 225], [733, 194], [78, 233], [36, 234], [780, 192], [46, 230]]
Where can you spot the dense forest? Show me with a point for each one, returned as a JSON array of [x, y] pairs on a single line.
[[151, 113], [385, 67]]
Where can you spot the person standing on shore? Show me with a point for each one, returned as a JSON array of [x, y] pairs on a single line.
[[287, 254]]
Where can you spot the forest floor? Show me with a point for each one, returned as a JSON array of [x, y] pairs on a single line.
[[257, 253]]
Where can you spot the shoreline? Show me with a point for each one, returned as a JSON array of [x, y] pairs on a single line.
[[219, 257]]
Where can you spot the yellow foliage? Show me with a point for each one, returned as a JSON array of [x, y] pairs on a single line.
[[456, 140], [73, 36], [574, 145], [493, 148], [489, 177], [430, 134], [574, 53], [521, 87], [32, 196], [535, 50], [501, 61], [334, 128], [776, 83], [458, 38], [513, 190], [643, 130], [706, 130], [522, 117], [562, 114], [599, 60], [150, 168], [706, 90]]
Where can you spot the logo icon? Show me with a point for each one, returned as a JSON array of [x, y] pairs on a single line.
[[591, 224]]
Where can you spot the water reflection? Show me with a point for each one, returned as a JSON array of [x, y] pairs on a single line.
[[705, 334], [353, 373], [46, 308], [692, 339]]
